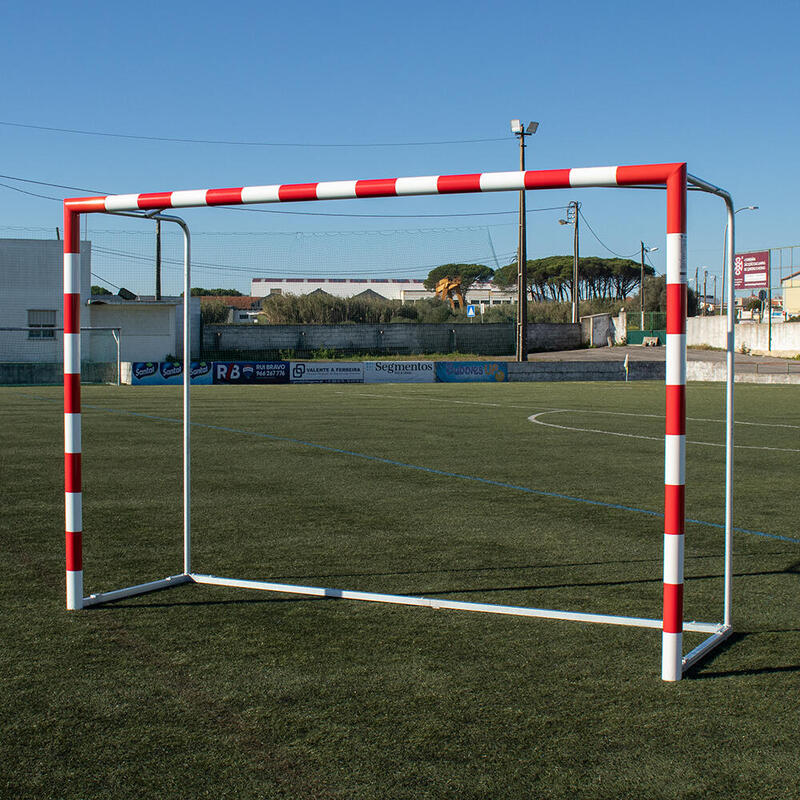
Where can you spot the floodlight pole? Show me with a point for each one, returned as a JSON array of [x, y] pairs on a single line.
[[725, 257]]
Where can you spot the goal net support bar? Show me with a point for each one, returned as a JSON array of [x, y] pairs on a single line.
[[671, 177]]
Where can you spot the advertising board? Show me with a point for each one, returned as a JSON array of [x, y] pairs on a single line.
[[251, 372], [399, 372], [751, 270], [471, 371], [168, 373], [326, 372]]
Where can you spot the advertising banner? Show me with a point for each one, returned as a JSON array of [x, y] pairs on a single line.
[[399, 372], [168, 373], [471, 371], [251, 372], [326, 372], [751, 270]]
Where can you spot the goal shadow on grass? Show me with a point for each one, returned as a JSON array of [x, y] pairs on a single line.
[[705, 671]]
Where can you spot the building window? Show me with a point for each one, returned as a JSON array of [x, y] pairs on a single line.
[[41, 324], [275, 291]]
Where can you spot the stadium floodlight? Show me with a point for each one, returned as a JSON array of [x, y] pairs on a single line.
[[532, 127], [516, 126], [672, 177]]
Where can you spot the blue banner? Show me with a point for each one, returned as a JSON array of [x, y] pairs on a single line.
[[251, 372], [168, 373], [471, 371]]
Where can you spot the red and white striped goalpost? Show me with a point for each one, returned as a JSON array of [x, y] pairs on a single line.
[[672, 177]]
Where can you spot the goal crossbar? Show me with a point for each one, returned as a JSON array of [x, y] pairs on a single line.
[[672, 177]]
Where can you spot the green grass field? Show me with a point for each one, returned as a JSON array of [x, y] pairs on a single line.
[[440, 490]]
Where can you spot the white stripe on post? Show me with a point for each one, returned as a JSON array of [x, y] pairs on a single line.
[[428, 184], [261, 194], [676, 258], [72, 353], [336, 190], [72, 273], [671, 657], [676, 363], [74, 590], [122, 202], [72, 433], [502, 181], [188, 198], [674, 459], [73, 506], [673, 561], [593, 176]]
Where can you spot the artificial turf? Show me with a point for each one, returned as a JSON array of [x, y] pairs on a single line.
[[440, 490]]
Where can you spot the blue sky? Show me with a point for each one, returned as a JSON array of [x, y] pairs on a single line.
[[714, 84]]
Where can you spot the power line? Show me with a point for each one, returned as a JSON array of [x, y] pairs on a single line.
[[231, 142], [603, 244]]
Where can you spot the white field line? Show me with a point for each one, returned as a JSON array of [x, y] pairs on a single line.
[[569, 410], [535, 419]]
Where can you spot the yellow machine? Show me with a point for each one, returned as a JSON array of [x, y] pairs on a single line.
[[450, 289]]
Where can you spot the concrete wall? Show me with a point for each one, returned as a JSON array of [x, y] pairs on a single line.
[[585, 371], [603, 330], [712, 332], [489, 339]]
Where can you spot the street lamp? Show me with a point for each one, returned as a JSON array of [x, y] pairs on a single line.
[[522, 255], [725, 252], [641, 282], [573, 211]]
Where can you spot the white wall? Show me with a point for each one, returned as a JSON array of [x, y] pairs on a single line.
[[712, 332], [31, 277]]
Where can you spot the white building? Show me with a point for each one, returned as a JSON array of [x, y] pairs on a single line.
[[407, 290], [32, 297]]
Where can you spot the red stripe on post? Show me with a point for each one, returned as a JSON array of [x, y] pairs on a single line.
[[547, 179], [85, 205], [674, 500], [676, 410], [452, 184], [224, 197], [72, 393], [153, 200], [74, 551], [676, 200], [382, 187], [72, 313], [673, 608], [644, 174], [676, 307], [297, 191], [72, 472], [72, 232]]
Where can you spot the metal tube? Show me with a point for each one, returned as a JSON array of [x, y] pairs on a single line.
[[435, 602], [132, 591], [730, 349], [187, 373]]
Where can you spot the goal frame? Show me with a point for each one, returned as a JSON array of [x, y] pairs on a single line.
[[672, 177]]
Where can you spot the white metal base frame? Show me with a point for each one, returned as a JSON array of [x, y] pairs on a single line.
[[719, 632]]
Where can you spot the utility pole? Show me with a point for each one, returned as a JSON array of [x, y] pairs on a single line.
[[641, 282], [573, 212], [705, 303], [522, 254]]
